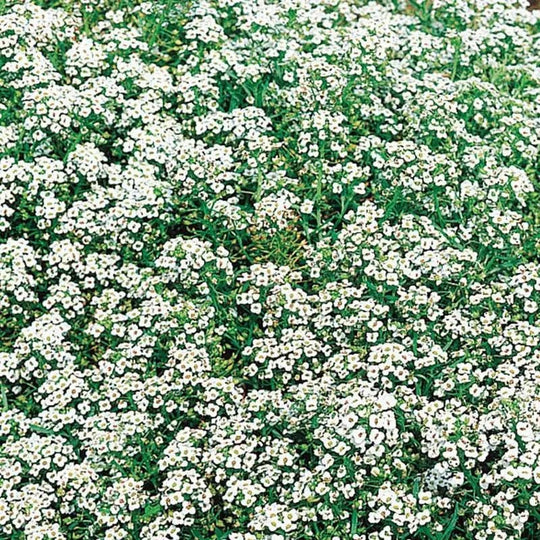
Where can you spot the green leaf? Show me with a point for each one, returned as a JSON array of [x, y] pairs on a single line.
[[152, 510], [354, 521], [451, 524], [40, 429]]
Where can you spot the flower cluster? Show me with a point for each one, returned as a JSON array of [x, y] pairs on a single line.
[[268, 270]]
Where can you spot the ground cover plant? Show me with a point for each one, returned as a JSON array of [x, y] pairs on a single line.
[[269, 270]]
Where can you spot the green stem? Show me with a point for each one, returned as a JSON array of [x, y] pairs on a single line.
[[157, 26]]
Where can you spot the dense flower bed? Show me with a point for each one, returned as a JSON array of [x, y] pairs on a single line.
[[269, 269]]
